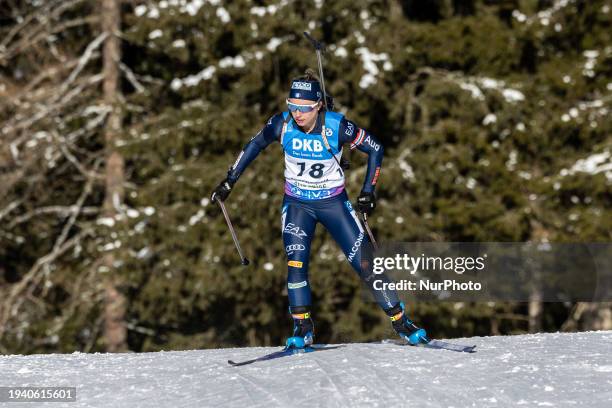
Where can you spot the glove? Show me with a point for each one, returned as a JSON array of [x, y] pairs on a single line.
[[222, 191], [366, 203]]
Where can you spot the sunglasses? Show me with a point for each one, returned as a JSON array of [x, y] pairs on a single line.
[[294, 107]]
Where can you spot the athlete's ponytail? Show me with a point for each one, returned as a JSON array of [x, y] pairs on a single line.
[[309, 75]]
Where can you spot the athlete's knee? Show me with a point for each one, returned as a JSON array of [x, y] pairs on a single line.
[[354, 252], [297, 269], [296, 250]]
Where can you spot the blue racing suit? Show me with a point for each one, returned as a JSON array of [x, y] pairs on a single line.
[[314, 192]]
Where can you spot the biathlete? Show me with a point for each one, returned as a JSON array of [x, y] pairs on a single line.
[[312, 139]]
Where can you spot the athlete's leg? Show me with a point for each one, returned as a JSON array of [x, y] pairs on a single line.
[[298, 229], [340, 219]]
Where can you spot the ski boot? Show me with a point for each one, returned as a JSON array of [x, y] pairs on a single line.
[[405, 327], [303, 329]]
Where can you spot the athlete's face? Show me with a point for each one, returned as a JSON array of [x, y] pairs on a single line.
[[305, 120]]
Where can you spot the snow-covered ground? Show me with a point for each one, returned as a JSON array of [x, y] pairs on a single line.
[[557, 370]]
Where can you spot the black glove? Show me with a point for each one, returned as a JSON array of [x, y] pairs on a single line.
[[366, 203], [222, 191]]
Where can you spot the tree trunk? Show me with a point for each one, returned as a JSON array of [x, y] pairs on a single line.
[[589, 316], [115, 331], [598, 316], [535, 312], [395, 10], [535, 308]]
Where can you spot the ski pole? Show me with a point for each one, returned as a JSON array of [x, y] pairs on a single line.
[[318, 48], [343, 163], [367, 226], [243, 259]]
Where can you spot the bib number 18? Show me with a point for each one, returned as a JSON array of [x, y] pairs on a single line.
[[316, 169]]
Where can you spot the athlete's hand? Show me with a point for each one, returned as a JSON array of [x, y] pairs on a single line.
[[222, 191], [366, 203]]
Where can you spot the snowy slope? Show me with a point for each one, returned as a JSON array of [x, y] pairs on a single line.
[[560, 370]]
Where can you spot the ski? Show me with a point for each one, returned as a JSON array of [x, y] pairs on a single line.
[[434, 344], [283, 353], [438, 344]]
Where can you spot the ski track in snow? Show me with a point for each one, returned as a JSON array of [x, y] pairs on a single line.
[[558, 369]]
